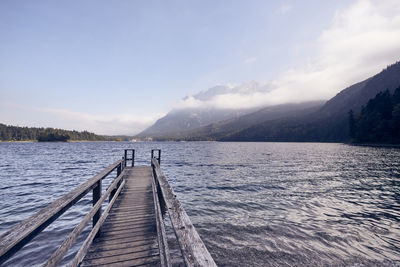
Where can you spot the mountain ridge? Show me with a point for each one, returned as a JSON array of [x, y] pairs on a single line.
[[330, 122]]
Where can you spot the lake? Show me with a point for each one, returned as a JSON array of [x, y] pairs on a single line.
[[253, 204]]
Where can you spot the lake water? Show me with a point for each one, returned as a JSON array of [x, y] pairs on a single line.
[[253, 204]]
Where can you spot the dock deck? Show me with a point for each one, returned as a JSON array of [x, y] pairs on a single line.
[[129, 232], [128, 237]]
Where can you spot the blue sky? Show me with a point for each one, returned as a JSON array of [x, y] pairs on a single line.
[[113, 67]]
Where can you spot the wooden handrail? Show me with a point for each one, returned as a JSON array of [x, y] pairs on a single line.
[[22, 233], [82, 251], [69, 241], [165, 256], [193, 249]]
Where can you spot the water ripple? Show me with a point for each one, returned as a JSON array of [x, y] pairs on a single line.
[[254, 204]]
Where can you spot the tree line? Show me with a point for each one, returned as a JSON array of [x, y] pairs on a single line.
[[378, 121], [16, 133]]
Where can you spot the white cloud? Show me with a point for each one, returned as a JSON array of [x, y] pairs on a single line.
[[246, 95], [66, 119], [360, 41], [250, 60], [285, 8]]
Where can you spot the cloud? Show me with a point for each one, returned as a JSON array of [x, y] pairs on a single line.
[[242, 96], [360, 41], [66, 119], [285, 8], [250, 60]]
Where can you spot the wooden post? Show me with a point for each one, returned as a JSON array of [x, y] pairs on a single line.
[[133, 157], [119, 168], [126, 156], [96, 197], [159, 155]]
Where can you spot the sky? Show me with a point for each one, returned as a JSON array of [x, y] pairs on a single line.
[[114, 67]]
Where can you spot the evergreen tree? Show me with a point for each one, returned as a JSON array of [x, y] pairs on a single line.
[[379, 120], [352, 124]]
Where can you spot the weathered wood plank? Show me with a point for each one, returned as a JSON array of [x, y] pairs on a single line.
[[118, 227], [119, 234], [18, 236], [150, 261], [134, 257], [131, 228], [121, 251], [99, 241], [108, 247], [193, 249], [129, 221]]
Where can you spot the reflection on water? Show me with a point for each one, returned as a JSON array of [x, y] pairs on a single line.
[[252, 203]]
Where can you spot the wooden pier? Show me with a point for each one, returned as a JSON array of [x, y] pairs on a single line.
[[131, 230]]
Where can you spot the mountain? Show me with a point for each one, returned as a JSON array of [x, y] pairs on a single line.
[[182, 120], [330, 122], [305, 122], [357, 95], [217, 130], [201, 110]]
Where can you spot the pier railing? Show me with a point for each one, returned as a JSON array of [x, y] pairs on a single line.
[[193, 250], [22, 233]]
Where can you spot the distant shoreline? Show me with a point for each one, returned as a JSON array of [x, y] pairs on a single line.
[[98, 141], [376, 145]]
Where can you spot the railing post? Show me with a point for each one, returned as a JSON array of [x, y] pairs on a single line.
[[132, 158], [159, 155], [96, 197], [119, 169]]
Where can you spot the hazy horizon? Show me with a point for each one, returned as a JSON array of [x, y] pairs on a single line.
[[116, 68]]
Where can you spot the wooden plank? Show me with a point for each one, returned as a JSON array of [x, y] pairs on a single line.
[[130, 229], [18, 236], [119, 234], [193, 249], [153, 260], [100, 241], [121, 251], [135, 258], [102, 247], [117, 227], [129, 221]]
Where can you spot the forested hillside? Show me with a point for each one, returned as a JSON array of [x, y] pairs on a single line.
[[15, 133], [379, 120], [330, 123]]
